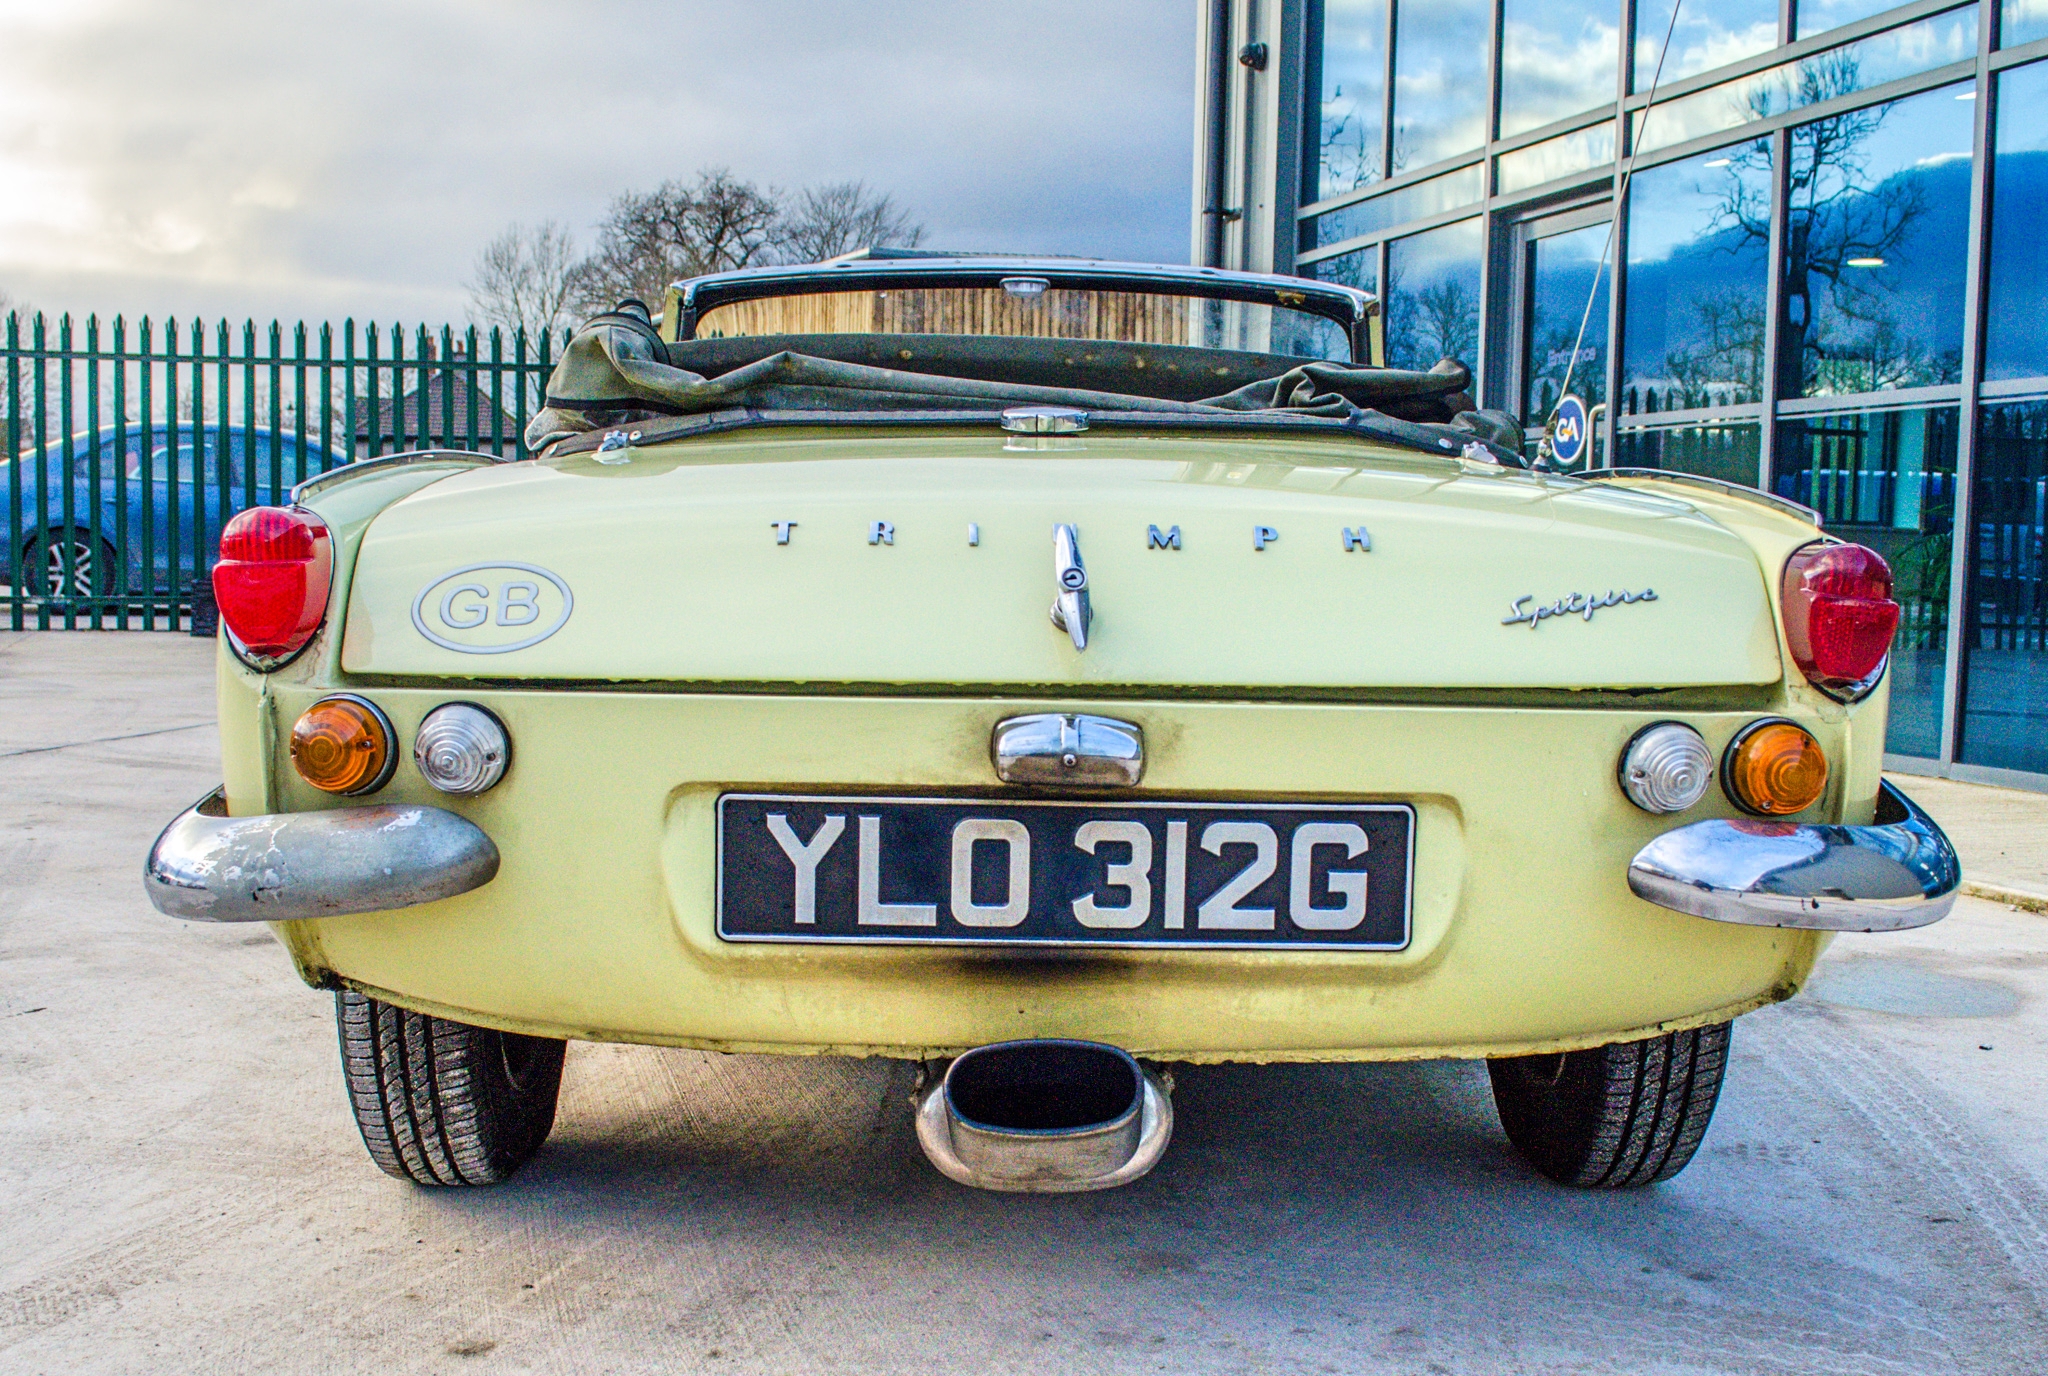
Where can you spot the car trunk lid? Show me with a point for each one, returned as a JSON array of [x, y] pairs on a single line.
[[865, 560]]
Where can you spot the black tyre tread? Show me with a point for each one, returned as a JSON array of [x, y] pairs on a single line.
[[103, 570], [1615, 1117], [434, 1100]]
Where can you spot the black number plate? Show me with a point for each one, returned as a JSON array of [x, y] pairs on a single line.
[[1080, 873]]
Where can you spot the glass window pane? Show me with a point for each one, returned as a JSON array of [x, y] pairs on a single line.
[[1466, 186], [2022, 21], [1567, 340], [1557, 58], [1433, 297], [1059, 312], [1728, 452], [1359, 269], [2005, 703], [1698, 257], [1356, 269], [1877, 233], [1707, 36], [1933, 42], [1818, 16], [1439, 80], [1887, 479], [1347, 80], [2016, 325], [1558, 157]]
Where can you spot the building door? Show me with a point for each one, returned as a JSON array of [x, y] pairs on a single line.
[[1561, 270]]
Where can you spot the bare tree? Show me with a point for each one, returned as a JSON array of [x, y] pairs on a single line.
[[25, 315], [1449, 320], [1727, 364], [525, 279], [649, 239], [838, 217], [1839, 227], [8, 306], [1347, 156]]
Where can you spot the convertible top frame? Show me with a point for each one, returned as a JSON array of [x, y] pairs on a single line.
[[883, 269]]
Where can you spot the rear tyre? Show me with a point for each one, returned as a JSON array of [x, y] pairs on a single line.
[[1613, 1117], [444, 1103]]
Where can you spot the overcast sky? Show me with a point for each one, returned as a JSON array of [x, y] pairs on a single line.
[[294, 159]]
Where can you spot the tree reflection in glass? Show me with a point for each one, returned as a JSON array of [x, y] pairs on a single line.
[[2016, 325], [1876, 213], [1433, 297], [1694, 327], [1567, 322], [1324, 338], [1347, 76]]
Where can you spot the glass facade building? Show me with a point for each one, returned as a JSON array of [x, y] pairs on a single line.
[[1790, 243]]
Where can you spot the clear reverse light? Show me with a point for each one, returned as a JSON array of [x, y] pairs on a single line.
[[1666, 768], [461, 749]]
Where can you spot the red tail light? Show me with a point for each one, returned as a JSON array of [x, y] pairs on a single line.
[[271, 582], [1839, 617]]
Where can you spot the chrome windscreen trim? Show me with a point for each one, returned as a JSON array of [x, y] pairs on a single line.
[[384, 462], [1726, 489]]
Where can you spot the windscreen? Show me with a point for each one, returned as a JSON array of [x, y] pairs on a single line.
[[1051, 312]]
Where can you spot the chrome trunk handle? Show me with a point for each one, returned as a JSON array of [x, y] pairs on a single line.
[[1068, 748]]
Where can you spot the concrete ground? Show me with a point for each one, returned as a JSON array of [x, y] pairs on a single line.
[[181, 1187]]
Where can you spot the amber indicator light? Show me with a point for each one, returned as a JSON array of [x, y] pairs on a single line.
[[343, 745], [1774, 769]]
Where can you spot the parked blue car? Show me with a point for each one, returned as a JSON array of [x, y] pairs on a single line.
[[148, 510]]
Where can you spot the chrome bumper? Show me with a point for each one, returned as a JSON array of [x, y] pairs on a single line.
[[210, 867], [1899, 872]]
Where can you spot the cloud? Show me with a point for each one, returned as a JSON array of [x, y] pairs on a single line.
[[297, 158]]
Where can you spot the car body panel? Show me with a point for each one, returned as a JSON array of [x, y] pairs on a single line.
[[677, 574], [601, 921]]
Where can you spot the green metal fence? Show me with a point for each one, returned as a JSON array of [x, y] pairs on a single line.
[[126, 448]]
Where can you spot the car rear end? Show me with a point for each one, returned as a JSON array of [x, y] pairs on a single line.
[[1307, 641]]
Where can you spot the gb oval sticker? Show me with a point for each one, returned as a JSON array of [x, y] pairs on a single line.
[[492, 609]]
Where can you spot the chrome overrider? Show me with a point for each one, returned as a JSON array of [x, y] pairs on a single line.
[[1899, 872], [210, 867]]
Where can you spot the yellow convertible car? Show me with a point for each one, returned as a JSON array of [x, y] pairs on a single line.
[[1045, 671]]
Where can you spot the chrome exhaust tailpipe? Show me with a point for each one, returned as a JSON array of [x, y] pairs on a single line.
[[1048, 1117]]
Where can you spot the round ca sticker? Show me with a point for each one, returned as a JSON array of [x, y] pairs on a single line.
[[492, 609], [1568, 430]]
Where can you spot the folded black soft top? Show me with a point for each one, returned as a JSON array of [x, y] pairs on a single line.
[[617, 370]]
